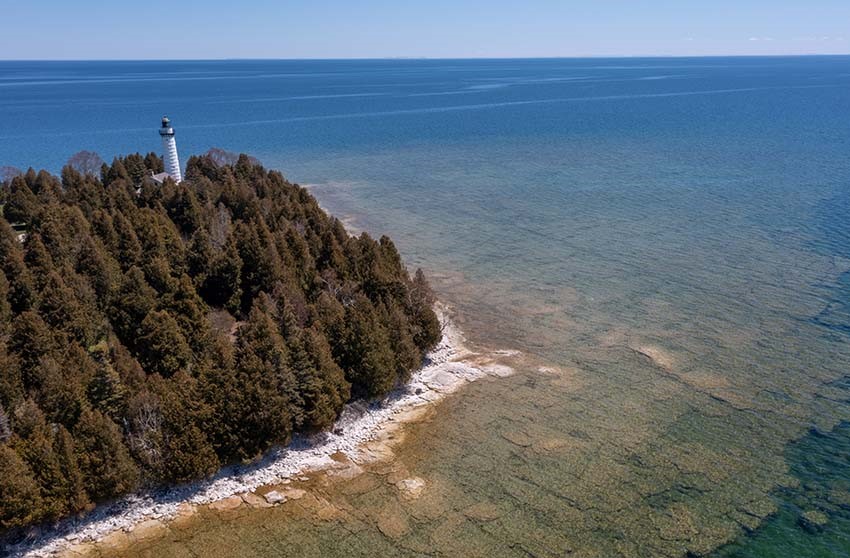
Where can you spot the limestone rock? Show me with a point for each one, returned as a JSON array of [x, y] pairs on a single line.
[[411, 488], [117, 540], [393, 525], [294, 493], [274, 497], [255, 500], [498, 370], [227, 504], [813, 521], [840, 498], [349, 471], [552, 444], [520, 439], [147, 530], [485, 511], [326, 511], [183, 518], [760, 508]]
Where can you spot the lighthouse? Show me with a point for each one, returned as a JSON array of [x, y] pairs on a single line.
[[169, 150]]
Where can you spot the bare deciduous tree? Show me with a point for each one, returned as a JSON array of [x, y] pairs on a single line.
[[5, 427], [221, 157], [86, 162], [145, 432], [220, 227], [7, 173]]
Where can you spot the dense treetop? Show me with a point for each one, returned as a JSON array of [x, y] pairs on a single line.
[[151, 333]]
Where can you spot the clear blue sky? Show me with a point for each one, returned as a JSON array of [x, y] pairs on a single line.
[[116, 29]]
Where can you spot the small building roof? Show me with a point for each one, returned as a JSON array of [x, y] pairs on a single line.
[[159, 178]]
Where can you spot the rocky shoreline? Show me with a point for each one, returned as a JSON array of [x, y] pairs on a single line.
[[361, 435]]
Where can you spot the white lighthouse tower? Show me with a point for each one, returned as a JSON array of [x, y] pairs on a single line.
[[169, 150]]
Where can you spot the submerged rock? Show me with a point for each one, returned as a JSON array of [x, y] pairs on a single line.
[[255, 500], [520, 439], [147, 530], [813, 521], [226, 504], [294, 493], [840, 498], [411, 488], [393, 525], [183, 517], [498, 370], [485, 511]]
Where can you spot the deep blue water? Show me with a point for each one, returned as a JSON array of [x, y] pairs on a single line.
[[579, 210], [49, 110]]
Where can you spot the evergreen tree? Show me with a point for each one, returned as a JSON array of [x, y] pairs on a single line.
[[369, 363], [36, 447], [22, 290], [5, 307], [20, 500], [38, 260], [61, 397], [267, 405], [101, 271], [427, 331], [22, 206], [154, 164], [104, 227], [326, 403], [135, 165], [106, 391], [116, 172], [75, 495], [217, 387], [183, 208], [299, 253], [406, 353], [12, 389], [331, 317], [200, 256], [190, 311], [62, 312], [222, 286], [103, 458], [128, 249], [261, 265], [161, 347], [188, 453], [61, 229], [47, 188], [31, 340], [132, 303], [158, 274]]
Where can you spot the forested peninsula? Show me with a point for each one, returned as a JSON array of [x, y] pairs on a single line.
[[152, 333]]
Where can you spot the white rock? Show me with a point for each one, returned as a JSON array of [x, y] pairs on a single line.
[[499, 370], [275, 497], [411, 488]]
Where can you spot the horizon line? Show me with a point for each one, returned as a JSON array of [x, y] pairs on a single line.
[[437, 58]]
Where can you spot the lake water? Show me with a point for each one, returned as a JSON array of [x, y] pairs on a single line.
[[667, 241]]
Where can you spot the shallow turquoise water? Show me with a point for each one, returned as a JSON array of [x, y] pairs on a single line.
[[669, 236]]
